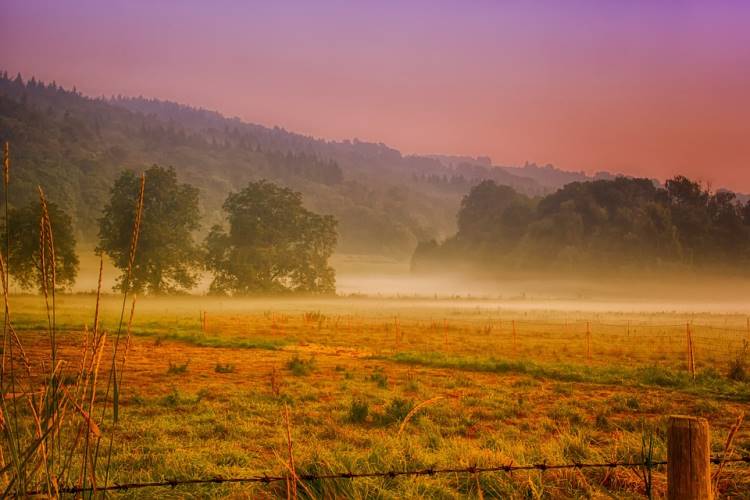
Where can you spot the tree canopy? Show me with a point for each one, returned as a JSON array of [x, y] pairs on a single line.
[[168, 259], [612, 224], [271, 243], [24, 264]]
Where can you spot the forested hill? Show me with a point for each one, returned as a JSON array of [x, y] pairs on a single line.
[[603, 226], [385, 202]]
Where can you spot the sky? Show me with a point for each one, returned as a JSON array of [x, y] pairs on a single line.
[[648, 88]]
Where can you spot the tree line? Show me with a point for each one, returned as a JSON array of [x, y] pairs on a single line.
[[618, 224], [268, 242]]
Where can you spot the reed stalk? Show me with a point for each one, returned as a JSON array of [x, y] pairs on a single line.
[[46, 424]]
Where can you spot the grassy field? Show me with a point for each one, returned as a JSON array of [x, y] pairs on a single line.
[[208, 380]]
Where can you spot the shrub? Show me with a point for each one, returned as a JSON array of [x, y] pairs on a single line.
[[175, 368], [226, 368], [173, 398], [202, 394], [396, 411], [738, 370], [379, 378], [602, 422], [300, 367], [358, 411], [633, 403]]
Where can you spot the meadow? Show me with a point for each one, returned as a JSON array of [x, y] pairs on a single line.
[[208, 382]]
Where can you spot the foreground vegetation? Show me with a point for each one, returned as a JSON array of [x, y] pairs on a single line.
[[208, 381]]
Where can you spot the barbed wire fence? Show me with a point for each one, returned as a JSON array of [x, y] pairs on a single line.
[[391, 474]]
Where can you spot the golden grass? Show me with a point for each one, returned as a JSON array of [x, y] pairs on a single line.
[[202, 422]]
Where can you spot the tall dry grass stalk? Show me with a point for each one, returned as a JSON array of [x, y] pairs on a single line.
[[50, 434], [415, 410], [113, 382], [290, 449], [292, 479], [728, 450]]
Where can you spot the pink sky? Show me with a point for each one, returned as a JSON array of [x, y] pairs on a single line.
[[650, 88]]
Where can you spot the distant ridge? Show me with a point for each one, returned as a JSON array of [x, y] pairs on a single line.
[[385, 202]]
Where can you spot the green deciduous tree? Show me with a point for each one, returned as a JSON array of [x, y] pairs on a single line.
[[168, 259], [272, 244], [23, 234], [622, 223]]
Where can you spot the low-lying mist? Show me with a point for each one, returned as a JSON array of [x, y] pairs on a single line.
[[370, 277]]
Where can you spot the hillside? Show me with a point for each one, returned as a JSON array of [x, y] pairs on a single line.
[[385, 202]]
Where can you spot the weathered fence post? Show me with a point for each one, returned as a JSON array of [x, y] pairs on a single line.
[[690, 351], [688, 457]]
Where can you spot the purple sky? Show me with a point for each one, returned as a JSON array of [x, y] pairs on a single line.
[[643, 87]]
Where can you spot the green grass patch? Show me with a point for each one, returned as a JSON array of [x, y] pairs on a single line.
[[300, 367], [379, 378], [707, 383], [199, 340]]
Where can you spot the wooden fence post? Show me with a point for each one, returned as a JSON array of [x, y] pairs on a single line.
[[690, 352], [688, 457]]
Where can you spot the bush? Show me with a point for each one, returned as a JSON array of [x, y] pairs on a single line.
[[174, 398], [633, 403], [602, 422], [175, 368], [738, 369], [300, 367], [358, 411], [380, 379], [227, 368], [396, 411]]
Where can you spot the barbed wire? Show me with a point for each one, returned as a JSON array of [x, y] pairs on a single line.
[[392, 474]]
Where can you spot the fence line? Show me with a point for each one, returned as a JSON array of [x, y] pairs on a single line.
[[506, 316], [267, 479], [639, 330], [709, 343]]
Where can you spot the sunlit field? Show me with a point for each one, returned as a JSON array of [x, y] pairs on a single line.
[[207, 381]]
